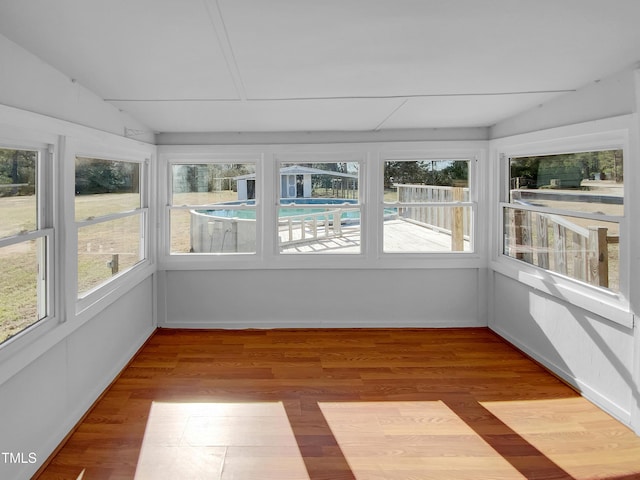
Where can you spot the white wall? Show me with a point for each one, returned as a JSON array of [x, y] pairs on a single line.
[[309, 298], [634, 279], [289, 138], [590, 352], [608, 97]]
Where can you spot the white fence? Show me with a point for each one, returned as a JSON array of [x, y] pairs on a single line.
[[310, 227], [439, 215]]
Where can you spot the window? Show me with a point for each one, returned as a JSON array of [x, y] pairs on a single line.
[[319, 208], [26, 236], [427, 206], [213, 208], [111, 218], [563, 214]]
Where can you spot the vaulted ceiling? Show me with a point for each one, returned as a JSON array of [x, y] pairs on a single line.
[[309, 65]]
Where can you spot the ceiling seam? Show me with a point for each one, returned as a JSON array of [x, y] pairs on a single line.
[[416, 95], [379, 126], [220, 28], [345, 97]]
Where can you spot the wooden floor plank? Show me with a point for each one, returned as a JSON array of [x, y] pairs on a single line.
[[342, 404]]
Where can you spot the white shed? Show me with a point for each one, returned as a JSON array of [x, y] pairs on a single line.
[[295, 182]]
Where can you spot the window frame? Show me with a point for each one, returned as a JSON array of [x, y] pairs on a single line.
[[304, 157], [371, 157], [610, 134], [84, 300], [469, 151], [44, 231], [190, 155], [472, 203], [171, 206]]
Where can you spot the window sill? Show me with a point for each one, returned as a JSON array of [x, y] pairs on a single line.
[[104, 295], [605, 304]]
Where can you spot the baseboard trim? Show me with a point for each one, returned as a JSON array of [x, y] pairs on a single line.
[[318, 323]]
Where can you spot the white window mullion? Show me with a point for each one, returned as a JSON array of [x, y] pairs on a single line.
[[562, 212], [25, 237], [43, 256], [144, 240], [108, 218]]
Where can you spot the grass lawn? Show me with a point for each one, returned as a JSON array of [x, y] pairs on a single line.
[[18, 271], [18, 288]]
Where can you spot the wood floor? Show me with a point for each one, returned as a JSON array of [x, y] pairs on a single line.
[[342, 404]]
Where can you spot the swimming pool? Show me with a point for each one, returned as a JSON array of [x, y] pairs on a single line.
[[286, 210], [226, 229]]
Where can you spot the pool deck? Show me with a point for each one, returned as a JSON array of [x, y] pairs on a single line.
[[399, 236]]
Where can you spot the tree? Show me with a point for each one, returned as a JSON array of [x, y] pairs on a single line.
[[427, 172], [18, 169], [569, 168], [95, 176]]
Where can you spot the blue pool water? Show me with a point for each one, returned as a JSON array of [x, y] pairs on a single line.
[[286, 210]]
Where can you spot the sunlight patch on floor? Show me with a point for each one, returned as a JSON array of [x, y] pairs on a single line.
[[407, 439], [219, 441], [564, 430]]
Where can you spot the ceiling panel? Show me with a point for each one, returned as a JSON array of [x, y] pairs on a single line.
[[457, 111], [336, 48], [131, 49]]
